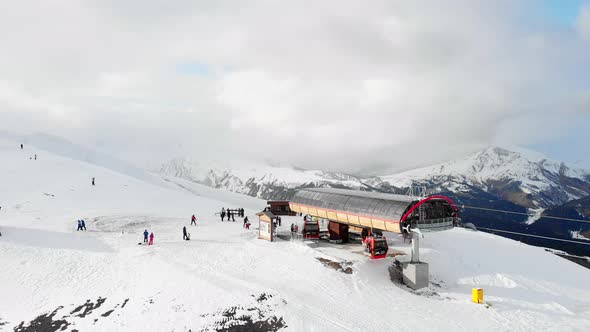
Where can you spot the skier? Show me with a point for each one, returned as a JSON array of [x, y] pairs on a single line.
[[145, 236], [232, 216], [184, 236], [21, 146], [35, 156], [245, 221], [279, 219], [194, 220], [93, 181], [79, 225], [222, 214], [151, 239], [83, 224]]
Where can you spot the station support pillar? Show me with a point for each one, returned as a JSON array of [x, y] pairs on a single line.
[[338, 232]]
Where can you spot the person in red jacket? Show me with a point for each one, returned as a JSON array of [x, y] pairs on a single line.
[[151, 239], [194, 220]]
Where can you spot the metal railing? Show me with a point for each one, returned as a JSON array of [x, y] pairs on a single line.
[[439, 224]]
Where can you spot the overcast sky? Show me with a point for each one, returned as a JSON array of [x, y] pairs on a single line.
[[359, 86]]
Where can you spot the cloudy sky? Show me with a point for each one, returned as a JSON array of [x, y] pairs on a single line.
[[359, 86]]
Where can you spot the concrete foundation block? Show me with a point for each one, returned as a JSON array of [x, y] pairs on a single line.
[[415, 275]]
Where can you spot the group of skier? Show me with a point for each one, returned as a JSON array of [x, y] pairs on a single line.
[[34, 157], [145, 237], [186, 235], [81, 225], [231, 213]]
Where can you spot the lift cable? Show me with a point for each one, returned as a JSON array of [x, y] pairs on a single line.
[[526, 214], [539, 236], [523, 214]]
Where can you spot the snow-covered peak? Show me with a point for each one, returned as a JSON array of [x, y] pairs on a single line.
[[492, 163], [532, 172], [259, 180]]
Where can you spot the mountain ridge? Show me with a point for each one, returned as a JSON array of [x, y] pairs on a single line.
[[524, 177]]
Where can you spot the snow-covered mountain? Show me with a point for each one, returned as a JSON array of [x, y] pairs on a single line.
[[258, 180], [525, 178]]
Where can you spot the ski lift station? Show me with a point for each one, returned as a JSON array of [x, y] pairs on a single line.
[[371, 211]]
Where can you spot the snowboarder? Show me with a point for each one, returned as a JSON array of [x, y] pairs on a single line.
[[83, 224], [145, 236], [93, 181], [194, 220], [151, 239], [222, 214], [184, 236]]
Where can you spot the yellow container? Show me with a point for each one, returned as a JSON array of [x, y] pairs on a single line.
[[477, 295]]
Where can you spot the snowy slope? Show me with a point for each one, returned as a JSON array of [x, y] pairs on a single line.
[[101, 280]]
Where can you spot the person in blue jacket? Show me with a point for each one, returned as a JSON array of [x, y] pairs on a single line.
[[145, 236]]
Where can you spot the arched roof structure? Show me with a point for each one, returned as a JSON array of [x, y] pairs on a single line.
[[388, 212]]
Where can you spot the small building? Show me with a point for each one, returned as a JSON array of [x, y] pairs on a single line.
[[280, 208], [265, 225]]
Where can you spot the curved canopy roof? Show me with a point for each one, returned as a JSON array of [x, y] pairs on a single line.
[[379, 205]]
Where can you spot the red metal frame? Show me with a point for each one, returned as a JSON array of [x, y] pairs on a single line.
[[429, 199]]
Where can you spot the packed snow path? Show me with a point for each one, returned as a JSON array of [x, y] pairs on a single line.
[[102, 280]]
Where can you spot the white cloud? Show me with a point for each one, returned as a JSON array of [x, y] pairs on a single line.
[[583, 22], [331, 84]]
